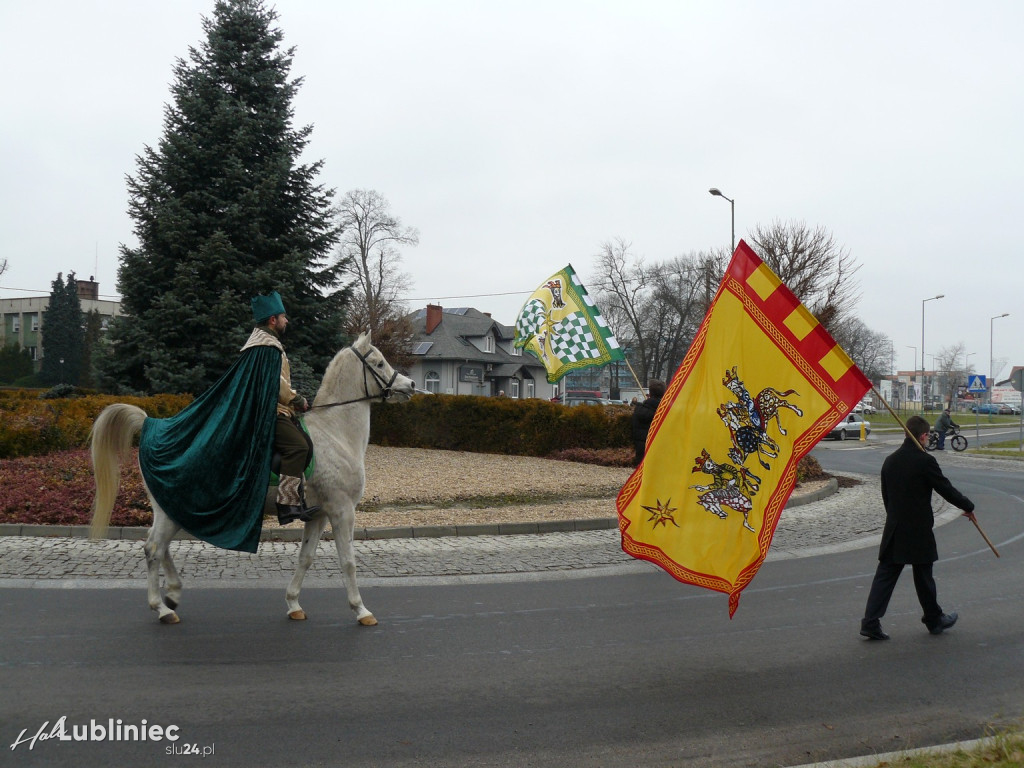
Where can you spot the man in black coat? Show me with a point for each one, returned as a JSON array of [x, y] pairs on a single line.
[[643, 415], [908, 478]]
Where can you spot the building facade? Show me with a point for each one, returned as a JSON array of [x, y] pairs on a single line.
[[462, 351], [23, 317]]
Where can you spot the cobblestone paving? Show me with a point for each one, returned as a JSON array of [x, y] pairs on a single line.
[[849, 515]]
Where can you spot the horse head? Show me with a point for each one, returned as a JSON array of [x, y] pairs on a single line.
[[362, 362]]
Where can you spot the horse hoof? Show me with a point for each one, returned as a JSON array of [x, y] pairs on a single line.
[[169, 618], [368, 621], [299, 615]]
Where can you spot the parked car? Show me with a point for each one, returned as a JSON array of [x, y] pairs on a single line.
[[850, 427], [864, 406], [1006, 409], [992, 408], [584, 401]]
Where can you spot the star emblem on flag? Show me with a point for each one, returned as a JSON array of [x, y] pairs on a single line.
[[661, 514]]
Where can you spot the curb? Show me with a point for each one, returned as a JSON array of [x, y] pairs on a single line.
[[136, 533]]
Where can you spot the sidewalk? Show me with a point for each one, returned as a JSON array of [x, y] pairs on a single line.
[[849, 518]]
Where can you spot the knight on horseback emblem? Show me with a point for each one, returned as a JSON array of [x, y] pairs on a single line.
[[732, 485]]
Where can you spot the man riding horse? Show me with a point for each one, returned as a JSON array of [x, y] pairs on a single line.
[[209, 466], [290, 442]]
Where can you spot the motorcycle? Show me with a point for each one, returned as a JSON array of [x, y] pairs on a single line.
[[958, 441]]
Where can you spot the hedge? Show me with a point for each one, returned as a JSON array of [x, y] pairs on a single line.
[[31, 425], [498, 425]]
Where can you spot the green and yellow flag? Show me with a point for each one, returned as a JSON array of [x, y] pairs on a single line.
[[563, 328], [761, 384]]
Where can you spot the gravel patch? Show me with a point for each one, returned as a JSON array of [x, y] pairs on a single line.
[[424, 487]]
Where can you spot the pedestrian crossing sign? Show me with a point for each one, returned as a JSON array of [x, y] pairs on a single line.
[[977, 383]]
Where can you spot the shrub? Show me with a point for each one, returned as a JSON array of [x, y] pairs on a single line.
[[605, 457], [808, 469], [58, 391], [30, 425], [58, 489], [497, 425]]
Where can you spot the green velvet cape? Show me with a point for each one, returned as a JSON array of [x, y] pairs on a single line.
[[208, 467]]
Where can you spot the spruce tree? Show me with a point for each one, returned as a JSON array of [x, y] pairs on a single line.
[[15, 363], [63, 333], [223, 211]]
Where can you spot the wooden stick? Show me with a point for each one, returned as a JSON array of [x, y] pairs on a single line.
[[898, 419], [990, 546]]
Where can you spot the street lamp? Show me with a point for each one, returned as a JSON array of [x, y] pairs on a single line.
[[933, 298], [62, 370], [991, 365], [914, 369], [732, 205]]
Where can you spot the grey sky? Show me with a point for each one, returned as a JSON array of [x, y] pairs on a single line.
[[519, 136]]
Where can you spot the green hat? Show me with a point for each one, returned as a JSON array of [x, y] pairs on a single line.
[[264, 307]]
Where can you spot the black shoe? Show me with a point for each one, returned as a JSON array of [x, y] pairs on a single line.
[[288, 514], [874, 633], [946, 621]]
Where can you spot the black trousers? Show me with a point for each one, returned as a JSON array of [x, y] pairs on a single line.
[[886, 576], [290, 442]]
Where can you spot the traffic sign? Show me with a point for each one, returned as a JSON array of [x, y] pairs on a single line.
[[977, 383]]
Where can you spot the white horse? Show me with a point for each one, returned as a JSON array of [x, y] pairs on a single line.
[[339, 425]]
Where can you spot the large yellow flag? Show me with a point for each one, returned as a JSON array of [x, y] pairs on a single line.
[[762, 383]]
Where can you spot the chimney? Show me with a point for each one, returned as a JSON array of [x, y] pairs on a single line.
[[434, 312], [88, 289]]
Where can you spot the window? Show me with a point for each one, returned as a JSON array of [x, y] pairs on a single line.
[[488, 343], [432, 382], [16, 324], [517, 351], [34, 352], [514, 389], [529, 388], [35, 322]]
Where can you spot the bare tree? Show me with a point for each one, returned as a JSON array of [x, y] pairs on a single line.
[[870, 350], [952, 369], [683, 290], [623, 287], [369, 255], [655, 309], [3, 267], [810, 262]]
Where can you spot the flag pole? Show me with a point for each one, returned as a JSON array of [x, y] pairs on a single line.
[[918, 444], [635, 377]]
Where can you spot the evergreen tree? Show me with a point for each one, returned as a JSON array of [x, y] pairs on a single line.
[[92, 332], [223, 211], [63, 333], [15, 363]]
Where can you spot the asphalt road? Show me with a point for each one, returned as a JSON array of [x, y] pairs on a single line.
[[619, 670]]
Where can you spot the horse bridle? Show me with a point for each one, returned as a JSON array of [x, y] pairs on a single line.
[[385, 385]]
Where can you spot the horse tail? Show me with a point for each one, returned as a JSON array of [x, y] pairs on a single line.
[[110, 441]]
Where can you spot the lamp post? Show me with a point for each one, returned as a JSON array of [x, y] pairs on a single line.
[[62, 370], [732, 205], [991, 364], [914, 369], [933, 298]]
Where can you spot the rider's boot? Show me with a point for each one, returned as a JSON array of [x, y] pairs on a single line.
[[307, 512], [291, 504]]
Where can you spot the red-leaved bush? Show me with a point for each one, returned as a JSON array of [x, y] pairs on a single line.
[[58, 489], [605, 457]]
